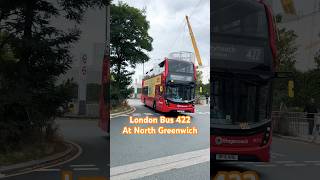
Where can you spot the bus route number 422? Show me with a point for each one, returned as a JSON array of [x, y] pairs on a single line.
[[183, 120], [236, 175]]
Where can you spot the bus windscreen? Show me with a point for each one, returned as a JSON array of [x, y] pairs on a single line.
[[180, 93], [238, 101]]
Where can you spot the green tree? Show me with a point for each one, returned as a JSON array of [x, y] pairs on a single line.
[[206, 88], [317, 60], [129, 43], [309, 84], [199, 83], [29, 93], [286, 55], [286, 47]]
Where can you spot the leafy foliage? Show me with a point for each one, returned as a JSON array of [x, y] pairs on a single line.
[[317, 60], [34, 53], [129, 43], [307, 84], [286, 54], [199, 83]]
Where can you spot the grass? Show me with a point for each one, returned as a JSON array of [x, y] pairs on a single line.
[[31, 151], [120, 108]]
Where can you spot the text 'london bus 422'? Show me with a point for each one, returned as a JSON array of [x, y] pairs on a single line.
[[170, 86], [243, 65]]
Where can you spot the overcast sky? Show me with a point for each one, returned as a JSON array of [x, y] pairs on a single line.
[[307, 28], [169, 31]]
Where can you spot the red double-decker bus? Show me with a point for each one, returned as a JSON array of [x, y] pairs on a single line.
[[243, 64], [170, 86]]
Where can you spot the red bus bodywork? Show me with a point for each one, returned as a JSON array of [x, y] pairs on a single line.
[[254, 147], [104, 95], [158, 101], [247, 144]]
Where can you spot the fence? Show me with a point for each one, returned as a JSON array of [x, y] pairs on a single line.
[[296, 124]]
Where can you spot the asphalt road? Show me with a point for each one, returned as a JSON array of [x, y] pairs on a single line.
[[160, 156], [290, 159], [92, 162], [170, 156]]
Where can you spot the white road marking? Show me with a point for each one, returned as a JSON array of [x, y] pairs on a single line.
[[154, 166], [203, 113], [82, 165], [2, 175], [85, 169], [248, 162], [284, 162], [317, 164], [311, 161], [266, 165], [295, 165], [47, 170], [123, 115], [148, 114], [277, 154], [136, 114]]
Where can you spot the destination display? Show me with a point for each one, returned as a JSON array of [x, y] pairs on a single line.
[[176, 77], [231, 52]]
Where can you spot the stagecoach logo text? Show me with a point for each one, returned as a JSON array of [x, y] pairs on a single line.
[[220, 140]]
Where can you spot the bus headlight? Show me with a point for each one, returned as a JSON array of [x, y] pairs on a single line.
[[266, 136]]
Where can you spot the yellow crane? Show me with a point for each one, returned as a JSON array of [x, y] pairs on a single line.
[[194, 43], [195, 47]]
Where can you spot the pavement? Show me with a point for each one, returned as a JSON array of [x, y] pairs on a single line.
[[160, 156], [290, 159], [93, 161]]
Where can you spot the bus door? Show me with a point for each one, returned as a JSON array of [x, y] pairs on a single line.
[[159, 96]]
